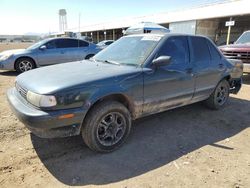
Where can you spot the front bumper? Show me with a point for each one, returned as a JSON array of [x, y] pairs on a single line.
[[7, 64], [45, 124], [246, 67]]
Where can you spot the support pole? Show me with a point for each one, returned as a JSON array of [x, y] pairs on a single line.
[[228, 32], [97, 36], [113, 34]]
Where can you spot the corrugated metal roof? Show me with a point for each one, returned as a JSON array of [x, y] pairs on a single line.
[[225, 9]]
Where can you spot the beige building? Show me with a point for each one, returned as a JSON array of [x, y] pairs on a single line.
[[208, 19]]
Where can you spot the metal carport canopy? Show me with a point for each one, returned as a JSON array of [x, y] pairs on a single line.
[[218, 10]]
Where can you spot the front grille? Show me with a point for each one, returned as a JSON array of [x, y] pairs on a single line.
[[22, 91], [243, 56]]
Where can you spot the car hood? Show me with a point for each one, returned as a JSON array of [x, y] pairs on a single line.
[[237, 47], [13, 52], [51, 79]]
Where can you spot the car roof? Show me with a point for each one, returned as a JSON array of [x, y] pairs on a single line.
[[166, 35], [64, 38]]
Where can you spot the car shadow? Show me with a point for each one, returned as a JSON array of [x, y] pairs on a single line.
[[8, 73], [154, 142], [246, 79]]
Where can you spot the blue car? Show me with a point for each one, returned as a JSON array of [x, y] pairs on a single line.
[[47, 52], [136, 76]]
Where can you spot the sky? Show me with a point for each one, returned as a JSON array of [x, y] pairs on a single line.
[[41, 16]]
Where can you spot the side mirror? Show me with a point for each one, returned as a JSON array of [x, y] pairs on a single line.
[[162, 60], [43, 47]]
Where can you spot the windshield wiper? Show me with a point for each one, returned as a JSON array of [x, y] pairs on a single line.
[[105, 61], [111, 62]]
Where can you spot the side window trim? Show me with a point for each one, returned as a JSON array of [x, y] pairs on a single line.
[[191, 50], [209, 49], [188, 48]]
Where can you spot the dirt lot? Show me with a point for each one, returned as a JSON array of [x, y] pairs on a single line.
[[13, 45], [187, 147]]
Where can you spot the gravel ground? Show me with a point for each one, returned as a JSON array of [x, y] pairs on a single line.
[[14, 45], [187, 147]]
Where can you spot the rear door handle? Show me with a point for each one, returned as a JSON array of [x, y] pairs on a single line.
[[221, 65], [190, 71]]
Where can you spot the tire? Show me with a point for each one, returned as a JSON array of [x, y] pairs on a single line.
[[219, 97], [89, 56], [100, 132], [24, 64]]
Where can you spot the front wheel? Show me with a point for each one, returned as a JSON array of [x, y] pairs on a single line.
[[220, 96], [107, 126], [24, 64]]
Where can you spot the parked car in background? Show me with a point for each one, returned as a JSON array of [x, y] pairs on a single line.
[[240, 50], [103, 44], [136, 76], [47, 52]]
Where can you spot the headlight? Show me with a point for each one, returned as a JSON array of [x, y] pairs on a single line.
[[41, 100], [5, 56]]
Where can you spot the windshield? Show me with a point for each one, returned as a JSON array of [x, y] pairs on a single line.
[[38, 44], [131, 50], [244, 38]]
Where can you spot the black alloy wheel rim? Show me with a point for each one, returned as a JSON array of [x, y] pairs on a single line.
[[111, 129], [222, 94]]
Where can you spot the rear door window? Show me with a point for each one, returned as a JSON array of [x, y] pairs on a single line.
[[215, 55], [66, 43], [83, 43], [200, 50]]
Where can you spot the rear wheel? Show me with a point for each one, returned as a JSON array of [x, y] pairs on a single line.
[[89, 56], [107, 126], [24, 64], [220, 96]]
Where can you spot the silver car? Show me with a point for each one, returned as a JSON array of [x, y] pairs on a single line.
[[105, 43], [47, 52]]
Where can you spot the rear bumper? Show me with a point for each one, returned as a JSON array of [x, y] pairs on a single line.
[[246, 68], [45, 124]]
